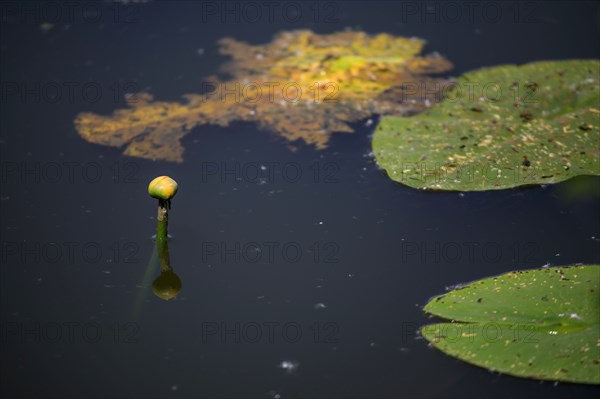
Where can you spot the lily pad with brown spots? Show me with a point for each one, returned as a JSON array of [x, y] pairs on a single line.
[[542, 324], [498, 128]]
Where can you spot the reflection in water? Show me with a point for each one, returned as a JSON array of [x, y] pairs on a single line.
[[580, 188], [168, 284]]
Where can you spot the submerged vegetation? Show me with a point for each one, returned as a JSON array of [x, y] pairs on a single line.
[[542, 324], [302, 86], [500, 127]]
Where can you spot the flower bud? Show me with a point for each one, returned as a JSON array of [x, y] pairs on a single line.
[[163, 188]]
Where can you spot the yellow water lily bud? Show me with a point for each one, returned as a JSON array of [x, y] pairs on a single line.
[[163, 188]]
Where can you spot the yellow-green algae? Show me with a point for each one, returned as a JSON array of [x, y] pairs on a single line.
[[310, 86]]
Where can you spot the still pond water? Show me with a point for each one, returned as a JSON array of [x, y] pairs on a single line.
[[294, 285]]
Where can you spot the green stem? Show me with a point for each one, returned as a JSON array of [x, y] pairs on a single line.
[[163, 221], [162, 238]]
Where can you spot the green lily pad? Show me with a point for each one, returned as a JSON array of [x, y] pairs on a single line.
[[542, 324], [498, 128]]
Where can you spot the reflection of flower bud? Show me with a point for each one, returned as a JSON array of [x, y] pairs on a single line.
[[167, 285], [163, 188]]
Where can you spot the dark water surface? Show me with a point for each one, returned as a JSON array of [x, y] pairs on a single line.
[[78, 319]]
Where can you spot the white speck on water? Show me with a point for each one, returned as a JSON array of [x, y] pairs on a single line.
[[461, 195], [369, 122], [454, 287], [200, 51], [556, 254], [174, 387], [263, 167], [547, 265], [372, 344], [350, 275], [320, 222], [320, 305], [106, 271], [289, 366], [260, 297]]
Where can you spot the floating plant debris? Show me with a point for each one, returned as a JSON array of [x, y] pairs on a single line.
[[496, 129], [542, 324], [302, 86]]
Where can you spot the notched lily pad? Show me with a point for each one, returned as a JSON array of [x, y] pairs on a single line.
[[302, 85], [542, 324], [498, 128]]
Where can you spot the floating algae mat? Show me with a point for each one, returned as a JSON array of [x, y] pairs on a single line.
[[302, 86], [500, 127], [542, 324]]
